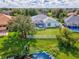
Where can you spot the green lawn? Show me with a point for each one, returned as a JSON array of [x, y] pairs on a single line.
[[53, 31], [75, 35], [49, 45]]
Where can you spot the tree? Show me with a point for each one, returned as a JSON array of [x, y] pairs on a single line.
[[23, 25], [66, 42], [31, 12], [25, 12], [14, 46]]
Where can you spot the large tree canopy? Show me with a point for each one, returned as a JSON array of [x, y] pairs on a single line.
[[23, 25]]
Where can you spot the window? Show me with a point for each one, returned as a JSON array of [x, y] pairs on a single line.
[[4, 26], [0, 26], [49, 24]]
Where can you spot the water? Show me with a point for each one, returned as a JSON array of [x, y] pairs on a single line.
[[74, 28], [42, 55]]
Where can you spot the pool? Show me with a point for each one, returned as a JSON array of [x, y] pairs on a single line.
[[74, 28], [42, 55]]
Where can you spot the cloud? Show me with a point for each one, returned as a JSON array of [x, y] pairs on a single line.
[[39, 3]]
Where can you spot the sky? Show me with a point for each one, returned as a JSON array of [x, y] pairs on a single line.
[[39, 3]]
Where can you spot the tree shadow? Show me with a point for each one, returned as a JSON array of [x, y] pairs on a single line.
[[70, 50]]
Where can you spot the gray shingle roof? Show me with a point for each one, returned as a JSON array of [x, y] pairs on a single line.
[[72, 19], [42, 17], [39, 17]]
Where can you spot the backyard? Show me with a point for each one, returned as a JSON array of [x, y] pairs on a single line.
[[51, 45], [48, 45]]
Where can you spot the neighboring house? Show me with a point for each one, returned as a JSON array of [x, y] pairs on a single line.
[[72, 20], [72, 13], [3, 23], [43, 21]]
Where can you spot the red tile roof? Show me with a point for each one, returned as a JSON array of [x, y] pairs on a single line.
[[70, 14], [4, 19]]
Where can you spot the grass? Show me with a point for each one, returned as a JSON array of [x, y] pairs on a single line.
[[75, 35], [53, 31]]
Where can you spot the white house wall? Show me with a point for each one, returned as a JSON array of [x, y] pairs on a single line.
[[52, 24]]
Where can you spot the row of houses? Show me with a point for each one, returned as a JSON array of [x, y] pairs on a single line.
[[41, 21]]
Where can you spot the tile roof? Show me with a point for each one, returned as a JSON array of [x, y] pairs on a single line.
[[4, 19]]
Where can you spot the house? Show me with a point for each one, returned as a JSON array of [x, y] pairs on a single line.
[[72, 20], [43, 21], [72, 12], [3, 23]]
